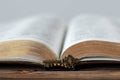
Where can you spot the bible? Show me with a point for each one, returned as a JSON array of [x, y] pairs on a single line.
[[47, 43]]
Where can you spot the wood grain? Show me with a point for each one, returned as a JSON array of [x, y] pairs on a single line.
[[102, 74]]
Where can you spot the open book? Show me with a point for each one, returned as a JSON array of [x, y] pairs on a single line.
[[46, 41]]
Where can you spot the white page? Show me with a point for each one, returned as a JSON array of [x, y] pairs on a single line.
[[92, 27], [48, 30], [100, 59]]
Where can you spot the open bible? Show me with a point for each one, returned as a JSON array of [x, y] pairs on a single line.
[[48, 43]]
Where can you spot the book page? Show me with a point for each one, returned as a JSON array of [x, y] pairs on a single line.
[[92, 27], [99, 59], [48, 30]]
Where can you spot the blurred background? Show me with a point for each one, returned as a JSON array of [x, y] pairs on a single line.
[[15, 9]]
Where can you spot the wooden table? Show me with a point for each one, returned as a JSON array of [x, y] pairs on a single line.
[[83, 75]]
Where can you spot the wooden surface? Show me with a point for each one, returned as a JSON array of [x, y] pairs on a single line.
[[109, 74]]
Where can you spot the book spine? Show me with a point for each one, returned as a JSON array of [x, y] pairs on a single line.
[[68, 63]]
